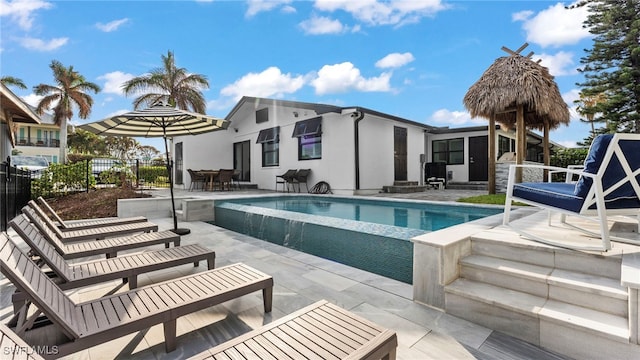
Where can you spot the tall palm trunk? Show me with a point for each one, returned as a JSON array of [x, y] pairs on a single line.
[[63, 142]]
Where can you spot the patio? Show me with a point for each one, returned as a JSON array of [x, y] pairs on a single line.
[[300, 280]]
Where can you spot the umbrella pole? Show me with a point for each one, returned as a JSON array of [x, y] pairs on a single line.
[[173, 204]]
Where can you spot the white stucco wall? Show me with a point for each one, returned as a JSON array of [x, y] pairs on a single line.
[[337, 165]]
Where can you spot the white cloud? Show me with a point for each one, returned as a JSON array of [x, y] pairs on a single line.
[[395, 60], [270, 82], [375, 12], [320, 25], [42, 45], [522, 15], [112, 25], [555, 26], [455, 118], [559, 64], [113, 82], [343, 77], [32, 99], [569, 97], [258, 6], [22, 11]]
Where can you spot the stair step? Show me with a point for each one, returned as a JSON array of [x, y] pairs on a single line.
[[520, 314], [595, 292], [492, 243]]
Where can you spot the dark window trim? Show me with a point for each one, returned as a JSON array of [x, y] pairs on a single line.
[[262, 115], [269, 135], [276, 150], [301, 138], [308, 127], [448, 150]]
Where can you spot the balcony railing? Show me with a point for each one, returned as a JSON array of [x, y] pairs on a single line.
[[54, 143]]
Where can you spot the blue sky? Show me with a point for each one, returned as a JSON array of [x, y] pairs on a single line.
[[414, 59]]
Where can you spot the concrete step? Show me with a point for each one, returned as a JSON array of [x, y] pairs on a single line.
[[403, 189], [472, 185], [493, 244], [590, 291], [550, 324]]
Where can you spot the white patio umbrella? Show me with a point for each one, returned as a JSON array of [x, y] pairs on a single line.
[[160, 120]]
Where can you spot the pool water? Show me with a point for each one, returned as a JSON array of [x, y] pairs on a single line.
[[368, 234], [413, 215]]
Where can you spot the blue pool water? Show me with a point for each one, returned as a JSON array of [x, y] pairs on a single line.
[[369, 234], [411, 215]]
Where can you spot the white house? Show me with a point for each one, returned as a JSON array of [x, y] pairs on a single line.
[[354, 149], [14, 113]]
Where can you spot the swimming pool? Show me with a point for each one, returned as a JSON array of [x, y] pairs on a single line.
[[369, 234]]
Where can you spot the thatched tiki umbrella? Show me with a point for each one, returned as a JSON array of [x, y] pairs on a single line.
[[514, 90]]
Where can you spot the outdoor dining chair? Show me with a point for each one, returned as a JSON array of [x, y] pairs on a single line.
[[196, 178], [285, 179], [301, 177]]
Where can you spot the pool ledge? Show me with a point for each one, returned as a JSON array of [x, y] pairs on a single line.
[[436, 256]]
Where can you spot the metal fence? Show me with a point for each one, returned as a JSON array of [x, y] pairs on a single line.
[[15, 192], [18, 186]]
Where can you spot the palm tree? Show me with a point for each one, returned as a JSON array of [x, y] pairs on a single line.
[[587, 107], [70, 90], [13, 81], [169, 83]]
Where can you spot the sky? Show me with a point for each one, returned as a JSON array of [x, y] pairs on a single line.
[[414, 59]]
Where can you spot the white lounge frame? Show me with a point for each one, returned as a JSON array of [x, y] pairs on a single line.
[[596, 195]]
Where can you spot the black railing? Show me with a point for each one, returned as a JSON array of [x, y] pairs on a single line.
[[15, 192], [82, 176]]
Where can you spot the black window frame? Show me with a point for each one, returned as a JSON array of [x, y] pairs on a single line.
[[305, 130], [270, 140], [316, 140], [262, 115], [448, 152]]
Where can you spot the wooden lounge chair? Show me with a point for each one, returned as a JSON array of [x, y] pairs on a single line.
[[70, 276], [97, 233], [128, 267], [47, 210], [321, 330], [97, 321], [13, 347], [79, 249], [608, 185]]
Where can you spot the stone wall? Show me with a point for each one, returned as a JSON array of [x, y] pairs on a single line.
[[528, 174]]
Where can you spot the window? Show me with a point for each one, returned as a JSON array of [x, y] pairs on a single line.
[[309, 147], [309, 134], [308, 127], [270, 154], [270, 140], [505, 145], [450, 151], [269, 135], [262, 115]]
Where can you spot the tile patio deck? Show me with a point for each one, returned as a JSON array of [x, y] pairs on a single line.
[[300, 279]]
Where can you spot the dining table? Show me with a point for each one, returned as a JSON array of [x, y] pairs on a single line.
[[211, 174]]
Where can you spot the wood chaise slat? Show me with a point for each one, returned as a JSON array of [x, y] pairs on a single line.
[[126, 267], [46, 209], [13, 347], [90, 323], [109, 247], [319, 331], [35, 214]]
